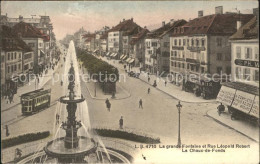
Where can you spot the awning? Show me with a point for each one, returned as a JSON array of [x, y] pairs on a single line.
[[121, 57], [127, 60], [96, 50], [124, 57], [108, 54], [42, 54], [240, 100], [131, 61], [115, 54], [111, 54]]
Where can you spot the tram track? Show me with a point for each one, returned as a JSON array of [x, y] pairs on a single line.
[[21, 117]]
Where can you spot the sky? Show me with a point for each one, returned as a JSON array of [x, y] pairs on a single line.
[[68, 16]]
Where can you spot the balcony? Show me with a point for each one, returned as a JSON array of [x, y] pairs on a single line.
[[196, 49], [177, 59], [177, 48], [195, 61]]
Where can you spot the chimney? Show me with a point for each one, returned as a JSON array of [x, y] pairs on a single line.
[[172, 21], [123, 20], [219, 10], [132, 19], [163, 23], [239, 24], [145, 27], [200, 13]]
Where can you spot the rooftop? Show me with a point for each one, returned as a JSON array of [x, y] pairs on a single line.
[[11, 41], [126, 25], [247, 31], [138, 36], [27, 31], [218, 24]]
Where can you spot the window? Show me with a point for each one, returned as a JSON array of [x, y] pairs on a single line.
[[228, 70], [238, 72], [12, 56], [154, 44], [256, 53], [202, 69], [248, 53], [166, 44], [188, 66], [19, 66], [192, 42], [8, 69], [238, 52], [188, 42], [8, 56], [219, 42], [175, 42], [219, 70], [179, 65], [2, 59], [172, 63], [197, 42], [202, 57], [202, 42], [247, 74], [19, 55], [219, 56], [179, 42], [256, 75], [184, 42], [15, 55], [183, 65], [15, 68], [227, 57]]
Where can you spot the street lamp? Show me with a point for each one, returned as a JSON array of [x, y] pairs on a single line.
[[179, 106]]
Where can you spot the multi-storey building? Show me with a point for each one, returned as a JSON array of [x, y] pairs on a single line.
[[115, 35], [160, 39], [35, 39], [13, 53], [90, 42], [241, 95], [202, 45], [137, 48]]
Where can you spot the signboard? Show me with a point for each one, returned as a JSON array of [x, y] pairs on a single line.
[[255, 108], [243, 101], [247, 63], [226, 95]]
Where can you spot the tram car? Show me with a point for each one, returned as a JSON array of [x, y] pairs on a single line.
[[33, 102]]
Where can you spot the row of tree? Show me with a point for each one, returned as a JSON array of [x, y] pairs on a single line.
[[97, 66]]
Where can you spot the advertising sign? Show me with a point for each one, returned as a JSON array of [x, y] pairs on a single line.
[[255, 108], [226, 95], [243, 101]]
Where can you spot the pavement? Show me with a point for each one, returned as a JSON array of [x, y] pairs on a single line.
[[96, 92], [30, 86], [240, 126], [170, 89]]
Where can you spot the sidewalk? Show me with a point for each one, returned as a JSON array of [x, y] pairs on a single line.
[[170, 89], [30, 86], [240, 126], [121, 93]]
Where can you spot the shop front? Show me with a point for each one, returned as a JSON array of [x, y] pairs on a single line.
[[242, 101]]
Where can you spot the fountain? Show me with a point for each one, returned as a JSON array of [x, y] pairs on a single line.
[[67, 149], [69, 144]]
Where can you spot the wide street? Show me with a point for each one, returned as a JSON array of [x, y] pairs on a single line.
[[158, 118]]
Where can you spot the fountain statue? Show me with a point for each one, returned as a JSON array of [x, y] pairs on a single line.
[[65, 153]]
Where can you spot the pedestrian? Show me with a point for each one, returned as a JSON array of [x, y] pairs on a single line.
[[121, 122], [12, 98], [148, 91], [165, 82], [106, 101], [108, 106], [141, 103], [148, 79], [18, 153], [61, 83], [221, 108], [7, 131]]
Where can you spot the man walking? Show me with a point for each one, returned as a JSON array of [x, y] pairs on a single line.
[[121, 121], [148, 91], [165, 82], [141, 103], [148, 78], [6, 131]]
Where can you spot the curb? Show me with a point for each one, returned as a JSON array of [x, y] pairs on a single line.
[[93, 97], [213, 101], [223, 124]]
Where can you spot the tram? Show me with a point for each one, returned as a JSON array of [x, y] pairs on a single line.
[[33, 102]]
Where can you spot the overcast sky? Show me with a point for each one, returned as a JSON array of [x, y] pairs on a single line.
[[69, 16]]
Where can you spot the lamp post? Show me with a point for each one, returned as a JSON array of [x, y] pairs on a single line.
[[179, 106]]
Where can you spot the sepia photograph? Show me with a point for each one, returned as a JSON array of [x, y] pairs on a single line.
[[142, 82]]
